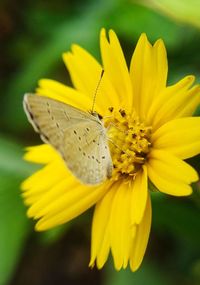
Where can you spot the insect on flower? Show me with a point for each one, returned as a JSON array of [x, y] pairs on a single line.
[[80, 137], [145, 134]]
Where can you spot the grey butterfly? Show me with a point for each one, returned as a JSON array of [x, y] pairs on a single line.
[[80, 137]]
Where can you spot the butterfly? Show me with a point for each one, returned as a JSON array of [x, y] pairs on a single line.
[[79, 137]]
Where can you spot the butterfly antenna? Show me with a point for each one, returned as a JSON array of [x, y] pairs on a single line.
[[96, 91]]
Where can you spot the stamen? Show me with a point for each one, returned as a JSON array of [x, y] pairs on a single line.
[[129, 142]]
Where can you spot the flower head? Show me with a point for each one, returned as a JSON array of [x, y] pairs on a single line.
[[150, 130]]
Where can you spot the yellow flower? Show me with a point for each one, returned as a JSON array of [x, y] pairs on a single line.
[[151, 132]]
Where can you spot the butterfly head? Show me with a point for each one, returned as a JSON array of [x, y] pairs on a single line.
[[96, 115]]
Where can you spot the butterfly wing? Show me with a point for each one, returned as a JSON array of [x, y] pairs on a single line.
[[87, 153], [78, 136]]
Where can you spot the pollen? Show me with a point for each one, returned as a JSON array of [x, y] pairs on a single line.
[[129, 142]]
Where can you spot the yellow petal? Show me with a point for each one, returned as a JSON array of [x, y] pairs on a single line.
[[148, 71], [170, 174], [181, 137], [85, 73], [139, 196], [55, 192], [100, 229], [179, 103], [121, 230], [192, 104], [171, 166], [141, 238], [116, 68], [41, 154], [70, 205], [164, 185], [44, 178], [167, 94], [63, 93]]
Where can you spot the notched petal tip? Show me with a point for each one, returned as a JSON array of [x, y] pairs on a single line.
[[190, 78], [67, 57], [23, 186], [41, 82], [103, 33], [75, 48], [40, 228], [159, 42], [112, 35], [159, 45], [194, 175], [91, 263], [144, 39], [30, 213]]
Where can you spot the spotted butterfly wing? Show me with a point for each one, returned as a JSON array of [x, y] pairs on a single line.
[[78, 136]]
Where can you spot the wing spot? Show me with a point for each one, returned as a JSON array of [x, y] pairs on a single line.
[[66, 115], [37, 126], [84, 153], [94, 141], [52, 117], [79, 149], [79, 138], [92, 156], [105, 147], [75, 132], [103, 157], [57, 125], [48, 104], [45, 137], [88, 156], [49, 111], [87, 129], [97, 161], [30, 114]]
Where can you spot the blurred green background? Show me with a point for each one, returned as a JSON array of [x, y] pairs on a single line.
[[33, 36]]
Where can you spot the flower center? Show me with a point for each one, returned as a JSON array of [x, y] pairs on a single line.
[[129, 142]]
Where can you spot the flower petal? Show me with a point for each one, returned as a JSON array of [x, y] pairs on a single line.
[[44, 205], [63, 93], [172, 166], [167, 94], [170, 174], [148, 72], [116, 68], [121, 230], [139, 196], [44, 178], [85, 73], [180, 102], [141, 238], [192, 104], [41, 154], [100, 229], [181, 137], [74, 202]]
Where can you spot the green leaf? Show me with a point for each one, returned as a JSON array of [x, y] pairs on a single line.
[[178, 216], [11, 159], [81, 29], [130, 20], [14, 225], [181, 10]]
